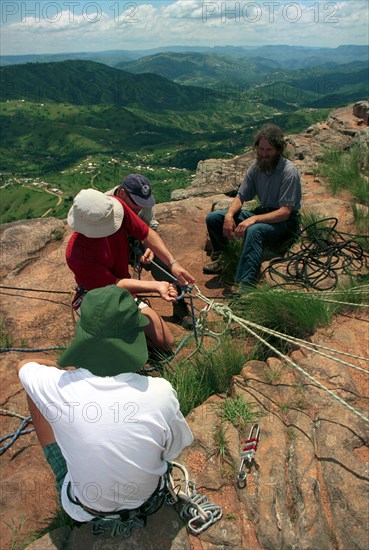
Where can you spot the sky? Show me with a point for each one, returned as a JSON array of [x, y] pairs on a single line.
[[76, 26]]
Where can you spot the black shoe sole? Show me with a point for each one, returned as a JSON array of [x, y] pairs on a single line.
[[211, 271]]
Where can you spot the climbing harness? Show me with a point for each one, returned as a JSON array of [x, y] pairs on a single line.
[[25, 420], [121, 523], [248, 455], [193, 507]]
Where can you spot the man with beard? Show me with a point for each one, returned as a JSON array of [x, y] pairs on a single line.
[[276, 182]]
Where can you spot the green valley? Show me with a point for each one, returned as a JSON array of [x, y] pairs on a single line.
[[73, 124]]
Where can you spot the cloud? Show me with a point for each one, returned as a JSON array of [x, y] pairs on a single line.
[[64, 21], [184, 9], [93, 26]]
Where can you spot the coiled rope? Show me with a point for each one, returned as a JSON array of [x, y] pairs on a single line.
[[324, 254]]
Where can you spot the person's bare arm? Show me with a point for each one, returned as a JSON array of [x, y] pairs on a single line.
[[157, 245], [41, 360], [281, 215], [166, 290]]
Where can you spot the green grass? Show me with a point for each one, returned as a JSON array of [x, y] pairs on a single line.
[[348, 297], [20, 202], [221, 443], [60, 519], [54, 142], [18, 533], [284, 311], [295, 313], [237, 411], [343, 170], [6, 339], [311, 221], [205, 374], [361, 219]]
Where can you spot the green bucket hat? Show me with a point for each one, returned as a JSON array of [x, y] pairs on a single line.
[[109, 336]]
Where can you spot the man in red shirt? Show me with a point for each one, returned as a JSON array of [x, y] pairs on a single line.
[[98, 255], [135, 191]]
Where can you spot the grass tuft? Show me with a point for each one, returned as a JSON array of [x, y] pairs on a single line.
[[205, 374], [343, 170], [288, 312], [237, 411], [6, 340]]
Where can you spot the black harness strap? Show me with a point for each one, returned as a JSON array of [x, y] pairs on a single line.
[[152, 505]]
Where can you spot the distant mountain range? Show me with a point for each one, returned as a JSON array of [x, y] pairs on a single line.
[[165, 110], [53, 114], [289, 57], [218, 79], [196, 68], [214, 70], [89, 83]]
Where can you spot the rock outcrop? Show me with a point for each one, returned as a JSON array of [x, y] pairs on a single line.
[[361, 110], [223, 176], [22, 241], [309, 487]]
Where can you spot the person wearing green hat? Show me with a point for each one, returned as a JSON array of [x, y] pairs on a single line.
[[106, 431]]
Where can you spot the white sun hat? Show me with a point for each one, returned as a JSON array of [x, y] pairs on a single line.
[[95, 214]]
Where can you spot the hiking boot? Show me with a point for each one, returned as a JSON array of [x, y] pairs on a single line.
[[245, 288], [214, 268], [237, 290], [182, 314]]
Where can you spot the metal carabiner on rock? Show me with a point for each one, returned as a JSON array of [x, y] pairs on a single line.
[[248, 454]]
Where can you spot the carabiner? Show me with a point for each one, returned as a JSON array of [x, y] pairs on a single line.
[[248, 454]]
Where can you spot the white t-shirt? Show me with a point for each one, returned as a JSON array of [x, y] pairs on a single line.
[[115, 433]]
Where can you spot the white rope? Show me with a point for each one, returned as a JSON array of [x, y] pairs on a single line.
[[354, 290], [314, 295], [225, 311], [344, 303], [312, 378], [11, 413], [307, 345]]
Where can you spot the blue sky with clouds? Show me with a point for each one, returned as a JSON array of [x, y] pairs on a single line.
[[72, 26]]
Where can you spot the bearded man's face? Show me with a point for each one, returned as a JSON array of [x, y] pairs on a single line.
[[267, 156]]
